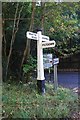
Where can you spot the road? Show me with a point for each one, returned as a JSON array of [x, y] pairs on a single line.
[[65, 79]]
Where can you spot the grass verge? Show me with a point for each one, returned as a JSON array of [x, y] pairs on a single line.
[[23, 101]]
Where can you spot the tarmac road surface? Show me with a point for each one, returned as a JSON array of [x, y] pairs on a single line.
[[66, 79]]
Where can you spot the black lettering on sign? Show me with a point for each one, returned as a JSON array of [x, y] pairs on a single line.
[[33, 37], [32, 34], [44, 38], [47, 44]]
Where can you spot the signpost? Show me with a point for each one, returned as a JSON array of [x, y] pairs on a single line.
[[40, 45], [45, 38], [55, 62], [34, 36], [48, 44], [47, 61]]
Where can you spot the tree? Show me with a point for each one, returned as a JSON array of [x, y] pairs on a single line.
[[60, 21], [14, 31], [0, 47], [62, 25], [26, 53]]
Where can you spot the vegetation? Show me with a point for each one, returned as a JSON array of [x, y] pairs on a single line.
[[29, 67], [60, 21], [23, 101]]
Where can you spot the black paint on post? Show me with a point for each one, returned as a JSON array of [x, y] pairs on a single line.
[[41, 86]]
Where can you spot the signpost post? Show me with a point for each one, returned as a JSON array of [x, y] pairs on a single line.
[[40, 45], [40, 68], [55, 77], [55, 62]]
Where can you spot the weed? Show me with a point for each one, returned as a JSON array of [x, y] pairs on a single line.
[[23, 101]]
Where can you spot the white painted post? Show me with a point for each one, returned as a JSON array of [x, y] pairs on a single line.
[[55, 77], [40, 68]]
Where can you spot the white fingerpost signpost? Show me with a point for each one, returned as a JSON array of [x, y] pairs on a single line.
[[40, 67]]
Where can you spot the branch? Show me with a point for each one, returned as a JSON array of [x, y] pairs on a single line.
[[13, 34], [27, 48], [19, 18]]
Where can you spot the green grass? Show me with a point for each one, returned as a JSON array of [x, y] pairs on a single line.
[[23, 101]]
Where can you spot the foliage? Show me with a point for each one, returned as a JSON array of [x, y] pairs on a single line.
[[62, 22], [62, 25], [23, 101], [11, 24], [30, 66]]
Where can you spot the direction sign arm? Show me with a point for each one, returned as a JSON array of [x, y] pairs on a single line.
[[48, 44]]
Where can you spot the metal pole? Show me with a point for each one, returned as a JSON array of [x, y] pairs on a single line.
[[49, 75], [55, 77], [40, 68]]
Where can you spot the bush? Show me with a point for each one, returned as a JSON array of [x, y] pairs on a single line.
[[29, 67]]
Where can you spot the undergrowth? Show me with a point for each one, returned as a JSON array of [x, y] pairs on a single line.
[[23, 101]]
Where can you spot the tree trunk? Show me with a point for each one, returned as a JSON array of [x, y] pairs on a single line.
[[43, 16], [27, 48], [15, 26], [4, 39], [0, 47]]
